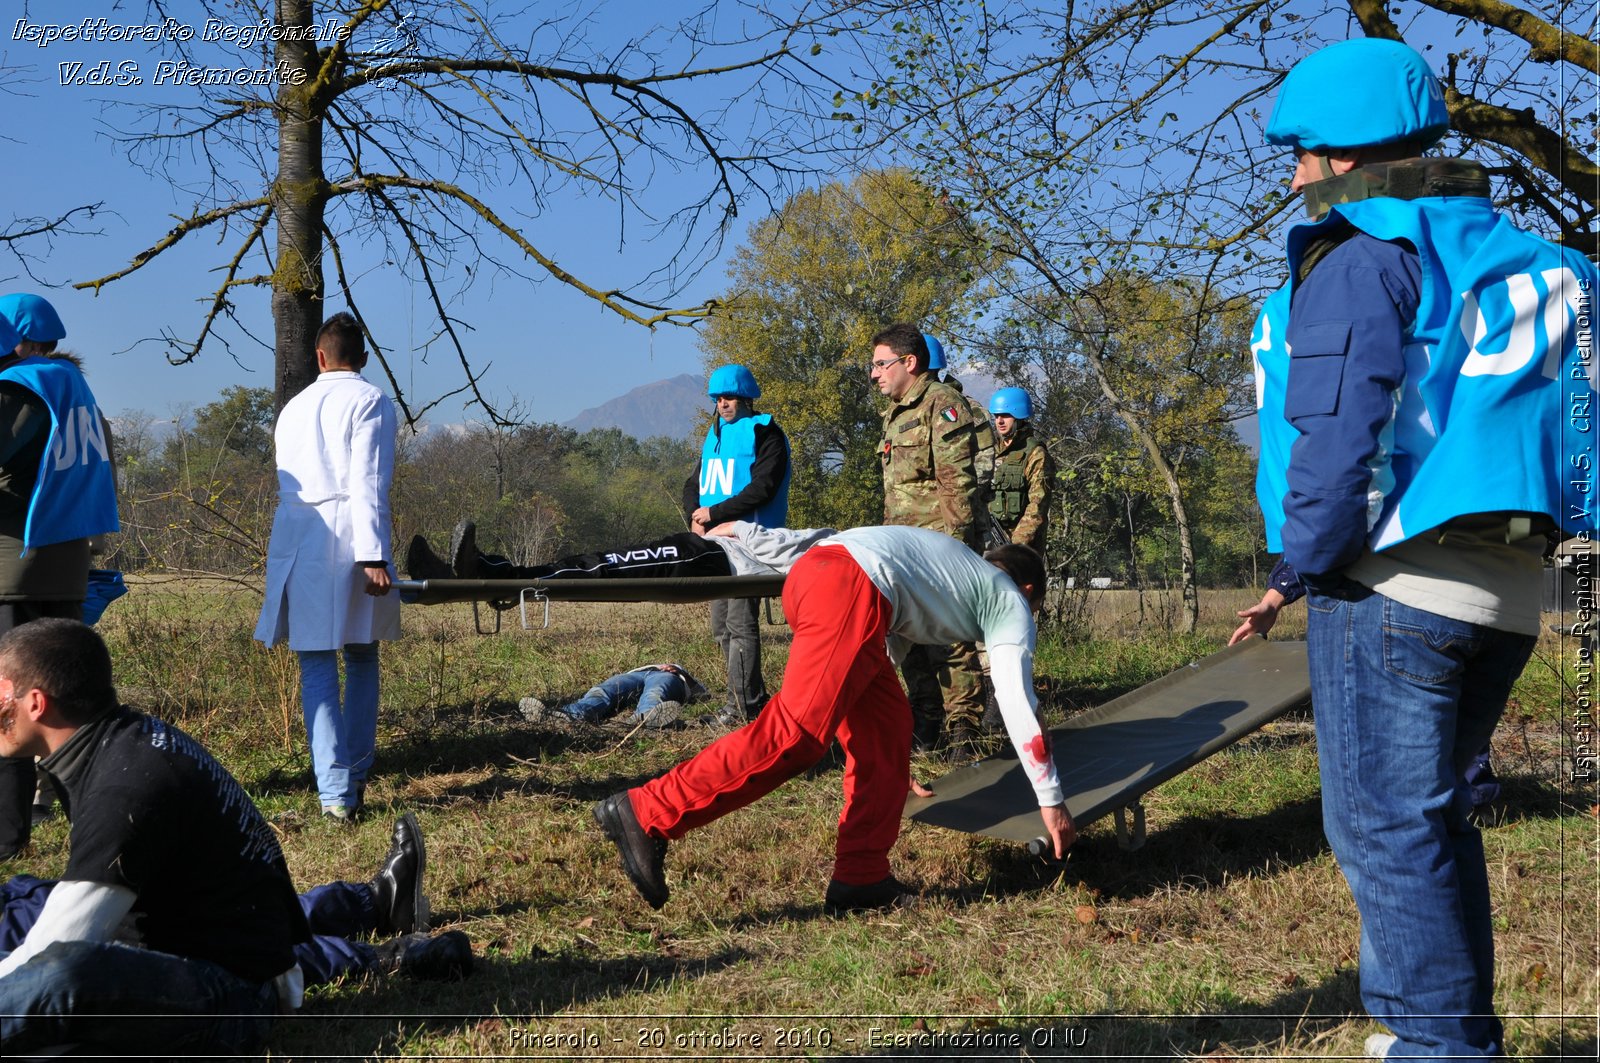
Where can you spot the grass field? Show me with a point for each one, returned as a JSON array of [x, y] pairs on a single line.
[[1229, 935]]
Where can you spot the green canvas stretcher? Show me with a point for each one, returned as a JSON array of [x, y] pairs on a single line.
[[1109, 756]]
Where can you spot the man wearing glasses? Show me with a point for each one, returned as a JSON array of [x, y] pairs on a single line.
[[929, 454]]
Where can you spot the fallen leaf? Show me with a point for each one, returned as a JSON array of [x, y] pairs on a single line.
[[586, 922], [1086, 913]]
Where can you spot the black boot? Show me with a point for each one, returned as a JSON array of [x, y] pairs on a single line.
[[644, 858], [464, 550], [843, 897], [397, 887], [423, 563], [445, 957]]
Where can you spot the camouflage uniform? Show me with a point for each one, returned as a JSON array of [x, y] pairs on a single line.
[[983, 435], [1024, 481], [928, 453]]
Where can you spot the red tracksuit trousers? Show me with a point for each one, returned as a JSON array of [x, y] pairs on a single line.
[[839, 681]]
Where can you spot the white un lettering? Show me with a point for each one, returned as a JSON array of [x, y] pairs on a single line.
[[81, 433], [1518, 298], [716, 477]]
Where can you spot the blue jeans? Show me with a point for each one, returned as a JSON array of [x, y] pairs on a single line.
[[342, 736], [1403, 699], [337, 913], [121, 1000], [608, 699]]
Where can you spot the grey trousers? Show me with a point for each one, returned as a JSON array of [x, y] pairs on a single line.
[[735, 624]]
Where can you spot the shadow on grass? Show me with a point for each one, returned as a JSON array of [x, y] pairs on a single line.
[[1194, 851], [374, 1019], [1294, 1018], [1297, 1021]]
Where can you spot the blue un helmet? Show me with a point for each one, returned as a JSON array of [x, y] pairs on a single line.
[[32, 317], [935, 353], [1357, 94], [733, 380], [9, 338], [1013, 402]]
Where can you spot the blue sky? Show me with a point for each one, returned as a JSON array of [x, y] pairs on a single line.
[[555, 350]]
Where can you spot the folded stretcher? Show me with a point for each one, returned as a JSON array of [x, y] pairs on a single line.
[[1110, 756]]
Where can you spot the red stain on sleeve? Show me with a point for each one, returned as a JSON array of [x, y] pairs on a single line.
[[1038, 748]]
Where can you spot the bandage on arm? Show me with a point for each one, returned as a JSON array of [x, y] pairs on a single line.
[[1011, 668]]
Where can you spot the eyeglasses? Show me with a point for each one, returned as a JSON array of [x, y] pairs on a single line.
[[881, 366]]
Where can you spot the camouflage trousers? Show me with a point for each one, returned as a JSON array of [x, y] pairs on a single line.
[[945, 685]]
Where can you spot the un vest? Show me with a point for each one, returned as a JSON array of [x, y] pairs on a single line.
[[1011, 481], [725, 463], [1497, 409], [75, 494], [1271, 359]]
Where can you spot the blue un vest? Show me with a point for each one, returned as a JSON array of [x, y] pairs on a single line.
[[725, 463], [1497, 409], [75, 494], [1271, 360]]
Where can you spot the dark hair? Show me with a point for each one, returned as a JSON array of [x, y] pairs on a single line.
[[64, 658], [339, 339], [1022, 563], [903, 339]]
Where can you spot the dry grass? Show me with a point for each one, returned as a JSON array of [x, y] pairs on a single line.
[[1230, 935]]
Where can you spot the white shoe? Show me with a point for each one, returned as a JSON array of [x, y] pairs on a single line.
[[532, 709], [1378, 1045]]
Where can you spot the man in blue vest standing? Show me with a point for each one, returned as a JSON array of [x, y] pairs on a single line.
[[56, 491], [1433, 352], [743, 475]]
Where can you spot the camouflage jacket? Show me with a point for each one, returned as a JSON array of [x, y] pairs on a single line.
[[1024, 482], [928, 453], [983, 435]]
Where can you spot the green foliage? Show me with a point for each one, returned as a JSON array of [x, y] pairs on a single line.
[[807, 290], [1137, 381], [237, 426]]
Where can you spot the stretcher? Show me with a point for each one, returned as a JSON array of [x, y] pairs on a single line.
[[1110, 756], [521, 593]]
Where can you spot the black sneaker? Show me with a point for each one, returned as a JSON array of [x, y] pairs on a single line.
[[464, 550], [445, 957], [843, 897], [423, 563], [644, 858], [397, 887]]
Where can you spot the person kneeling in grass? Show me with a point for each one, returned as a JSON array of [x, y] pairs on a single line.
[[850, 598]]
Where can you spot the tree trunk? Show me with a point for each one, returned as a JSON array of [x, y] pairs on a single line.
[[1169, 477], [298, 196], [1186, 562]]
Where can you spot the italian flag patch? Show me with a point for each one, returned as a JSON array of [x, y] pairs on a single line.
[[949, 414]]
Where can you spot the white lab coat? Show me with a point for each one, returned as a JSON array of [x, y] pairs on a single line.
[[335, 444]]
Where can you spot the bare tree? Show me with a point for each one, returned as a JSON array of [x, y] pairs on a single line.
[[433, 136], [1128, 136], [29, 241]]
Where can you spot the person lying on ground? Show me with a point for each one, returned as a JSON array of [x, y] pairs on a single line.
[[174, 929], [734, 548], [850, 598], [662, 690]]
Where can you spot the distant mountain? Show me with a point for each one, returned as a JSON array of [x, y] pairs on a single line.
[[664, 408]]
